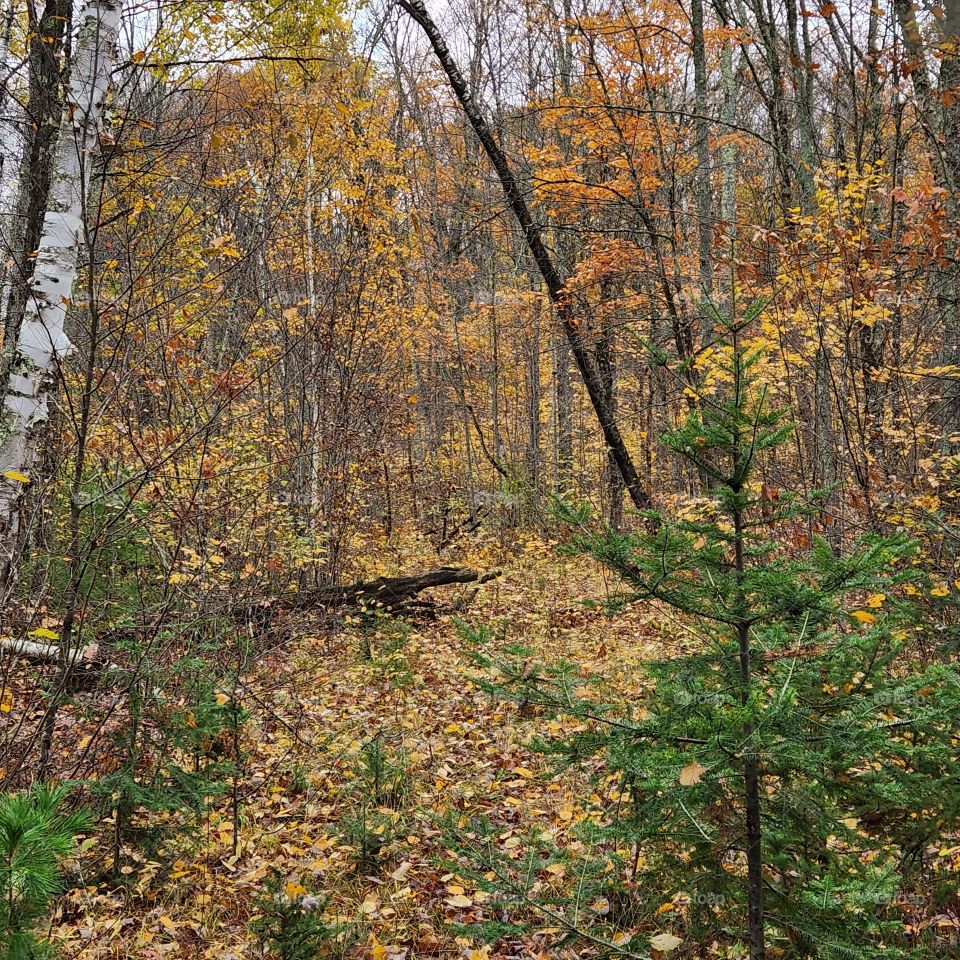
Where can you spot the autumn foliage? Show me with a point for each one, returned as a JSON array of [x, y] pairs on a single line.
[[646, 313]]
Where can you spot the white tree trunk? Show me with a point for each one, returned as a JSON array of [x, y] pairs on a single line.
[[9, 140], [42, 343]]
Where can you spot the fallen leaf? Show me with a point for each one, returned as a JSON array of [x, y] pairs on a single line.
[[691, 774], [665, 942]]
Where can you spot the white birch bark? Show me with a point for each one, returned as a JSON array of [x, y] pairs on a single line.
[[42, 343], [9, 141]]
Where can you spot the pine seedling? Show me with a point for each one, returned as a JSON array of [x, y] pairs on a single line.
[[36, 834]]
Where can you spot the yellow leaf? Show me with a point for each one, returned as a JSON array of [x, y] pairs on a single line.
[[44, 634], [294, 890], [377, 950], [6, 702], [875, 600], [168, 924], [524, 772], [863, 616], [941, 591], [691, 774], [460, 901], [17, 475]]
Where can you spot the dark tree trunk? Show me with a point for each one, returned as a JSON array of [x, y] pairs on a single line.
[[533, 234], [941, 126]]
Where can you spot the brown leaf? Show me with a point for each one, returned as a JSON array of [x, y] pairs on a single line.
[[691, 774]]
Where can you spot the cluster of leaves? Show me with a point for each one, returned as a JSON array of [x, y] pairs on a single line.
[[169, 760], [382, 643]]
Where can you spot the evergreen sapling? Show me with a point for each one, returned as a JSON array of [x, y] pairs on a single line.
[[781, 785]]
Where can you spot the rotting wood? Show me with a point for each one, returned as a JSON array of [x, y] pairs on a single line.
[[396, 595]]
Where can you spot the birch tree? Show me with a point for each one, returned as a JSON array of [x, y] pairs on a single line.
[[42, 342], [33, 151]]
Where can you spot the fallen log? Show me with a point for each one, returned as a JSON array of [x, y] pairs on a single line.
[[389, 594], [397, 595], [35, 650], [85, 667]]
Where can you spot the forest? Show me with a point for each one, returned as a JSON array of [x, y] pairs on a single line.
[[480, 479]]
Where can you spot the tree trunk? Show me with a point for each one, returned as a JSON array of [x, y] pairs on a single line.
[[941, 126], [701, 128], [949, 83], [728, 166], [43, 116], [42, 343], [606, 351], [533, 408], [8, 138], [385, 594], [563, 415], [533, 234], [751, 763]]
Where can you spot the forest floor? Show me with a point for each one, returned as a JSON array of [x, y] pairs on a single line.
[[314, 705]]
